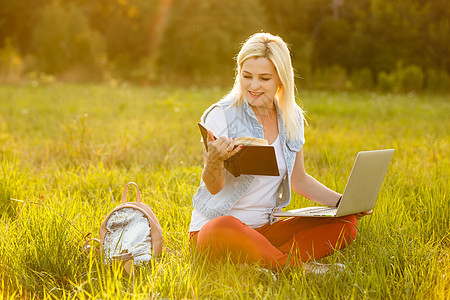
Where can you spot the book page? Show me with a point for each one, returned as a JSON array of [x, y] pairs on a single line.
[[250, 141]]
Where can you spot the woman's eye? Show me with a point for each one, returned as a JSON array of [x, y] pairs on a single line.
[[265, 79], [246, 76]]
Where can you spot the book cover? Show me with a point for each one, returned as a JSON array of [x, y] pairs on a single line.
[[250, 160]]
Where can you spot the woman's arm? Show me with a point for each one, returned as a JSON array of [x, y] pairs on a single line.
[[307, 186], [219, 150]]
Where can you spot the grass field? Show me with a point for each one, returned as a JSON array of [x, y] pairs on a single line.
[[66, 152]]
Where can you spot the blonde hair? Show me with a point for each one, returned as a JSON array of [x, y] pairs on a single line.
[[275, 49]]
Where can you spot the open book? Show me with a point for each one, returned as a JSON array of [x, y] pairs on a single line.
[[256, 157]]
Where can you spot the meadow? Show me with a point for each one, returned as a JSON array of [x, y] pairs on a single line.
[[66, 152]]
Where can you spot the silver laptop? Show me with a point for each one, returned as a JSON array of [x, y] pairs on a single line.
[[361, 190]]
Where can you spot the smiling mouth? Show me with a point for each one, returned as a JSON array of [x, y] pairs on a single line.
[[255, 94]]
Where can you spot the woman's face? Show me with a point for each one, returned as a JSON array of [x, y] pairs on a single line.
[[259, 82]]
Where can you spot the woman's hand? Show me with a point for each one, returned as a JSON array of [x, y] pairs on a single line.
[[220, 149], [366, 213]]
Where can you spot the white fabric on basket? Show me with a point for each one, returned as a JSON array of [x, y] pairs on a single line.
[[128, 229]]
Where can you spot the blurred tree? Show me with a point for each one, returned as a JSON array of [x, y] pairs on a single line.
[[63, 41], [127, 27], [196, 40], [435, 36], [17, 21], [394, 29], [202, 37], [296, 21]]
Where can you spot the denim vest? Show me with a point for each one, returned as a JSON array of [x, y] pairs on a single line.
[[242, 121]]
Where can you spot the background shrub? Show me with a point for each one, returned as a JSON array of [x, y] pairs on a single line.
[[11, 64], [409, 79], [437, 81], [402, 79], [362, 79], [386, 82], [333, 77]]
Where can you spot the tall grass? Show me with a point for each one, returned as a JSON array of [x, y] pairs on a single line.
[[66, 151]]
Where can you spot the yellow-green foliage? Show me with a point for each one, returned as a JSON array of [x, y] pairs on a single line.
[[66, 151]]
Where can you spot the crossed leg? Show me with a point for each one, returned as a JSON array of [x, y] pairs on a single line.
[[287, 242]]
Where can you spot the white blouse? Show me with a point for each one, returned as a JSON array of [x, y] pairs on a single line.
[[255, 206]]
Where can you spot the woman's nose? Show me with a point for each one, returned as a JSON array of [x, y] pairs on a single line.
[[255, 84]]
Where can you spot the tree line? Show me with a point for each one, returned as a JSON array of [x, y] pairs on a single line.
[[390, 45]]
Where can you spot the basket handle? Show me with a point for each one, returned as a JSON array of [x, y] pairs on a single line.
[[88, 245], [138, 193]]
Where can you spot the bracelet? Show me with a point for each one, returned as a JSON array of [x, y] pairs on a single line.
[[339, 201]]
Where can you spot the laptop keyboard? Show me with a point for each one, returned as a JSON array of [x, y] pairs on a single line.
[[323, 210]]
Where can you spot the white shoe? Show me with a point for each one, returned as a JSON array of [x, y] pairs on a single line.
[[268, 273], [316, 268]]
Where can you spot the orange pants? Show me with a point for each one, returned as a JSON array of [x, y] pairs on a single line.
[[287, 242]]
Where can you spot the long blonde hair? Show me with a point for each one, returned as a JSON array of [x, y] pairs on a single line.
[[275, 49]]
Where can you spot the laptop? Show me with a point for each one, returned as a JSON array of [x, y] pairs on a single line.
[[361, 191]]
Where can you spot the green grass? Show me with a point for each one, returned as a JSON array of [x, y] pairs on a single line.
[[66, 152]]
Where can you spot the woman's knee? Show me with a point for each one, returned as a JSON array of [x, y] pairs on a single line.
[[218, 227], [223, 221]]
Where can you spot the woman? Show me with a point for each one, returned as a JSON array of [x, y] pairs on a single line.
[[234, 215]]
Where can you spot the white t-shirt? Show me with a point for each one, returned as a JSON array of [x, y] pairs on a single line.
[[255, 206]]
